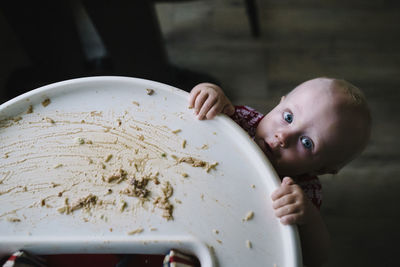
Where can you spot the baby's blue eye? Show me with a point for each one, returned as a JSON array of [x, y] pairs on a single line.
[[287, 116], [307, 143]]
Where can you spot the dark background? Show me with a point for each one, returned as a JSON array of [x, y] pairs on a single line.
[[185, 42]]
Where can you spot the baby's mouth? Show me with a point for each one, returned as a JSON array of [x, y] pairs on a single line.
[[268, 150], [265, 148]]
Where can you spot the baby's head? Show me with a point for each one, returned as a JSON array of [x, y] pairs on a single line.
[[320, 126]]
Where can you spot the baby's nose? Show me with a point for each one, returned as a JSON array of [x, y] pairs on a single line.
[[282, 139]]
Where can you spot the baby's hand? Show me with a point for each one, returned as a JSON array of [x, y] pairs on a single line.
[[208, 100], [291, 204]]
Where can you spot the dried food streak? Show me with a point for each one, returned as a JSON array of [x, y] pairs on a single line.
[[128, 159]]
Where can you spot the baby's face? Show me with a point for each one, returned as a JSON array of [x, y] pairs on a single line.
[[300, 133]]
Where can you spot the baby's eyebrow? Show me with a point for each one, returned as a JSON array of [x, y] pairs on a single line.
[[297, 109]]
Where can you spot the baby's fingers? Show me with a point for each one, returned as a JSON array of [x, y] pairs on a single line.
[[286, 210], [290, 219], [215, 109], [193, 95], [199, 102], [208, 105], [280, 192], [283, 201]]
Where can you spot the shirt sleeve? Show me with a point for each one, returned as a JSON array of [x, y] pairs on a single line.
[[312, 188], [247, 118]]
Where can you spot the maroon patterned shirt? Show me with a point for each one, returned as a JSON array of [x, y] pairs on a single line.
[[248, 118]]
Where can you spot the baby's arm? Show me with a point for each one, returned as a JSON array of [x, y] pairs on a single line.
[[292, 206], [208, 100]]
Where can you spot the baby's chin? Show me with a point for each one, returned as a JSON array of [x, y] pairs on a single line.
[[283, 172], [261, 144]]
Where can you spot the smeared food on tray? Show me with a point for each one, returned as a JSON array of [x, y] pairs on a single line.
[[91, 164]]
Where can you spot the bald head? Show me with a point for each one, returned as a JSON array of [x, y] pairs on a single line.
[[353, 126]]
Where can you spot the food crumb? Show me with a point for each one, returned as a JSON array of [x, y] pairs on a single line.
[[123, 206], [80, 140], [167, 189], [211, 166], [63, 210], [85, 203], [219, 241], [54, 185], [149, 91], [185, 175], [249, 244], [163, 202], [108, 158], [184, 143], [30, 109], [58, 166], [136, 103], [249, 216], [253, 186], [13, 219], [46, 102], [178, 201], [136, 231], [17, 119], [176, 131], [197, 163], [96, 113], [215, 231], [118, 177], [50, 120], [153, 229]]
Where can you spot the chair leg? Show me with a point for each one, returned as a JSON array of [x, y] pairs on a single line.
[[251, 9]]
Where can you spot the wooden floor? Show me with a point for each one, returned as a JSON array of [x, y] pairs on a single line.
[[356, 40]]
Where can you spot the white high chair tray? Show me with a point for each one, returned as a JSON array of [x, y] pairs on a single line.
[[121, 165]]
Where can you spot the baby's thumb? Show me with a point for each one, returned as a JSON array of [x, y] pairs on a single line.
[[287, 181]]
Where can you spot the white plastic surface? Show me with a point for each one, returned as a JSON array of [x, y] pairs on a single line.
[[93, 127]]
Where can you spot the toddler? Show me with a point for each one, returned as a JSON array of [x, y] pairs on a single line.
[[316, 129]]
